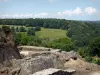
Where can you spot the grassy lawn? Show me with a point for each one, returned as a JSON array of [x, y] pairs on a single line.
[[51, 33]]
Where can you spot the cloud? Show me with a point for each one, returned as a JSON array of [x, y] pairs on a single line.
[[90, 10], [64, 14], [38, 15], [67, 12], [52, 1], [41, 15], [16, 15], [77, 11]]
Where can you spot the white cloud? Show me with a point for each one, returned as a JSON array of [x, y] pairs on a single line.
[[41, 15], [67, 12], [64, 14], [15, 15], [52, 1], [77, 11], [90, 10]]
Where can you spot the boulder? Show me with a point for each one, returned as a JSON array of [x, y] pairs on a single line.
[[38, 63], [52, 71]]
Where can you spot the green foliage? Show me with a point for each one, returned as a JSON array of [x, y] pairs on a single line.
[[46, 23], [17, 29], [83, 51], [24, 39], [31, 31], [64, 44], [12, 29], [22, 29], [83, 32], [96, 61], [6, 28], [37, 28], [27, 25], [94, 47], [88, 58]]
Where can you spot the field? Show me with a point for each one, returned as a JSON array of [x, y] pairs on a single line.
[[47, 33], [51, 33]]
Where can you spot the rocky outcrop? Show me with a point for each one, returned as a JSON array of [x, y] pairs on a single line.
[[10, 71], [38, 63], [52, 71], [8, 48]]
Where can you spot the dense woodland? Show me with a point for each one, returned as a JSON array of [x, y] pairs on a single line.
[[81, 36], [46, 23]]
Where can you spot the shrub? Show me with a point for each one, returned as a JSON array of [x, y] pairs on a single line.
[[88, 58], [83, 51], [22, 29], [31, 31], [37, 28], [96, 61]]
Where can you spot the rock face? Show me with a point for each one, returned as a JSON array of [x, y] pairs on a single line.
[[8, 48], [10, 71], [52, 71], [38, 63]]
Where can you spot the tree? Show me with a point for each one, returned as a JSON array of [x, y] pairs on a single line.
[[31, 31], [37, 28], [12, 29], [94, 47], [17, 29], [22, 29]]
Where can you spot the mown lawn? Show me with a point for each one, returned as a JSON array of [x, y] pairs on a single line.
[[51, 33]]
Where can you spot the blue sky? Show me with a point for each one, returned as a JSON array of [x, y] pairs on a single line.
[[64, 9]]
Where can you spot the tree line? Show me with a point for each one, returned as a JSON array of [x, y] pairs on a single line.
[[46, 23]]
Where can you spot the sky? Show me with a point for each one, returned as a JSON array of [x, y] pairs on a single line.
[[61, 9]]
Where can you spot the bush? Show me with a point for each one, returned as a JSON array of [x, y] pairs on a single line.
[[31, 31], [6, 28], [37, 28], [83, 51], [65, 44], [22, 29], [96, 61], [88, 58], [12, 29]]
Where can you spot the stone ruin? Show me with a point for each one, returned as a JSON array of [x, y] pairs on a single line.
[[8, 48]]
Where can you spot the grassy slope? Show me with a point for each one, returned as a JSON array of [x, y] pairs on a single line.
[[51, 33], [48, 33]]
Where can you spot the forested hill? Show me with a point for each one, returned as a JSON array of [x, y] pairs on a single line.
[[46, 23]]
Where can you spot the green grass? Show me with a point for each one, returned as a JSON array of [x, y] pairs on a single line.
[[11, 26], [48, 33], [51, 33]]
